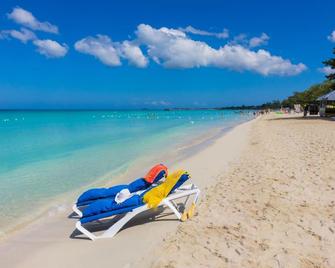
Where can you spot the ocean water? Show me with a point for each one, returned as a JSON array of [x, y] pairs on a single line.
[[47, 154]]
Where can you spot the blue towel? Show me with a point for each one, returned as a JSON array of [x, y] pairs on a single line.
[[108, 214], [138, 185], [101, 193], [108, 205], [180, 182]]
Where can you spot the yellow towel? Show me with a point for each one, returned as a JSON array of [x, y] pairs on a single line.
[[154, 196]]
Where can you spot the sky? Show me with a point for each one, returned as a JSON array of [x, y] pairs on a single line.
[[157, 54]]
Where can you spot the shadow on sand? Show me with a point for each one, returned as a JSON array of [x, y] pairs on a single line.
[[73, 215]]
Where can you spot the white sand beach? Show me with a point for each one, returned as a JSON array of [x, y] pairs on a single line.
[[274, 208], [267, 201]]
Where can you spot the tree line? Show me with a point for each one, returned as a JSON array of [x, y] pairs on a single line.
[[313, 92]]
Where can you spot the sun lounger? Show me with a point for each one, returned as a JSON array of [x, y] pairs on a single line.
[[155, 174], [161, 195], [131, 212]]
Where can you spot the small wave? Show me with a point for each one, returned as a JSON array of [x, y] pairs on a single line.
[[56, 209]]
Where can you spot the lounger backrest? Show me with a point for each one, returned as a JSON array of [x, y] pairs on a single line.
[[138, 185], [154, 196], [184, 177], [156, 173]]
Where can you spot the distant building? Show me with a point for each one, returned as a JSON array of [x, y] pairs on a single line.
[[297, 108], [327, 104]]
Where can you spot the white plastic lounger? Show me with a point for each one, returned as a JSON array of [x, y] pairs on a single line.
[[184, 191], [76, 210]]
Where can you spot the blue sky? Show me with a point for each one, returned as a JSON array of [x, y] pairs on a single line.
[[113, 54]]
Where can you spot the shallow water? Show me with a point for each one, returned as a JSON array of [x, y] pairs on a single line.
[[44, 154]]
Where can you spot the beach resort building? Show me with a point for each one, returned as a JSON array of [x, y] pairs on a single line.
[[327, 104]]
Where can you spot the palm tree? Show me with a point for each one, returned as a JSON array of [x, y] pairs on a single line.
[[330, 63]]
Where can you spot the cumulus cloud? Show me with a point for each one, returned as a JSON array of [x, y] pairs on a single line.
[[47, 47], [109, 52], [331, 37], [173, 49], [327, 70], [24, 35], [50, 48], [189, 29], [100, 47], [259, 41], [27, 19], [133, 53]]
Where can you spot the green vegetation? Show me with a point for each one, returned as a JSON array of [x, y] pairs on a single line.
[[330, 64], [305, 97], [311, 94], [276, 104]]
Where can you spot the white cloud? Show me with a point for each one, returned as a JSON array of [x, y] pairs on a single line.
[[259, 41], [50, 48], [327, 70], [24, 35], [240, 39], [133, 53], [109, 52], [159, 103], [243, 40], [100, 47], [261, 61], [173, 32], [27, 19], [173, 49], [331, 37], [189, 29]]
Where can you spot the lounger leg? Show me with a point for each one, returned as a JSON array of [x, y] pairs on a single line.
[[173, 208], [84, 231], [76, 210], [196, 196], [169, 203], [120, 223]]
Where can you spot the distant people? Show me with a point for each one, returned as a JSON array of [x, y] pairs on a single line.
[[305, 110], [313, 109]]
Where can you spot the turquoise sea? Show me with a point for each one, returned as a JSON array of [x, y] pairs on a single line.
[[46, 155]]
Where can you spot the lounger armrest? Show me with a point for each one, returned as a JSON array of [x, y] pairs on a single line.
[[187, 187]]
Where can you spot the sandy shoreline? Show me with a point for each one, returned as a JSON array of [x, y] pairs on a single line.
[[274, 208], [47, 241], [267, 201], [172, 154]]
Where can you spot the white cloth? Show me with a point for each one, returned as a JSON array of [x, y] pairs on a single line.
[[122, 196]]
